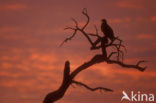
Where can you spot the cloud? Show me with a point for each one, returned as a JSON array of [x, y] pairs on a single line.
[[13, 6], [142, 19], [120, 20], [11, 33], [147, 36], [130, 4], [153, 18], [5, 29], [29, 72]]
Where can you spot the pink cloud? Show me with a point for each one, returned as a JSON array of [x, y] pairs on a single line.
[[153, 18], [146, 36], [120, 20], [5, 29], [131, 4], [142, 19], [12, 6]]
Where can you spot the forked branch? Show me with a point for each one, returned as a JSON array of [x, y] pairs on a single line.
[[69, 38], [77, 28], [92, 89], [127, 65]]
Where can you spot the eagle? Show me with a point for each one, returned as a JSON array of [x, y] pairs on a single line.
[[107, 30]]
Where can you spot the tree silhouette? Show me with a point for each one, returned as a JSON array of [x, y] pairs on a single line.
[[118, 52]]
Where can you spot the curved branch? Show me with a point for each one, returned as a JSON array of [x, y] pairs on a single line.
[[140, 62], [69, 38], [84, 12], [94, 60], [92, 89], [96, 33], [111, 54]]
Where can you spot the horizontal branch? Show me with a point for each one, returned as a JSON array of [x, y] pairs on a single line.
[[127, 65], [99, 59], [93, 34], [92, 89]]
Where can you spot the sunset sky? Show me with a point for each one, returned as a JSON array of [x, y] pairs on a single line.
[[31, 61]]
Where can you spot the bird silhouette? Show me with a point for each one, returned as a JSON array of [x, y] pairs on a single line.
[[107, 30]]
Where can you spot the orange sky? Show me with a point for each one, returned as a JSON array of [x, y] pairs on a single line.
[[31, 63]]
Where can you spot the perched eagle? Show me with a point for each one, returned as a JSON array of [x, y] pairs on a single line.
[[107, 30]]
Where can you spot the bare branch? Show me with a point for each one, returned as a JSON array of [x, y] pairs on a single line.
[[94, 60], [111, 54], [69, 38], [122, 55], [118, 47], [92, 89], [140, 62], [96, 33], [69, 28], [76, 23], [96, 47], [100, 59], [92, 34], [126, 65], [84, 12], [96, 29]]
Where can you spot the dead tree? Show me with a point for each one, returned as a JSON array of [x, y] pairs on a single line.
[[68, 78]]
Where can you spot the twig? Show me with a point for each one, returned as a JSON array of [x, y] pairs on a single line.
[[69, 38], [111, 54], [84, 12], [76, 23]]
